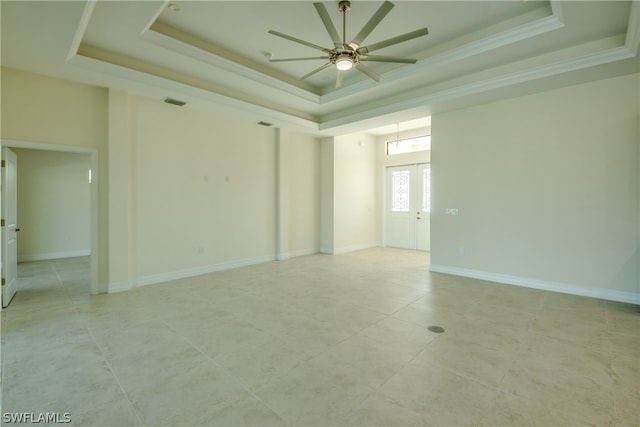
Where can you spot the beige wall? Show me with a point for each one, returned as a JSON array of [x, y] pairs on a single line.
[[304, 194], [166, 208], [546, 185], [327, 182], [198, 192], [53, 204], [205, 189], [350, 218], [44, 110], [547, 189], [356, 193]]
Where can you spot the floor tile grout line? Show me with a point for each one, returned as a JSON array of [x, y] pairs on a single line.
[[115, 376], [607, 312], [229, 374], [124, 392]]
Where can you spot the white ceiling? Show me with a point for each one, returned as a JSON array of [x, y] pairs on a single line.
[[213, 54]]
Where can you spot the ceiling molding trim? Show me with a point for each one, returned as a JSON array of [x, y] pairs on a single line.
[[155, 87], [154, 17], [556, 9], [146, 69], [82, 28], [494, 41], [633, 29], [187, 44], [456, 91]]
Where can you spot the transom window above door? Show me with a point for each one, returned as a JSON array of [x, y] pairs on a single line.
[[408, 145]]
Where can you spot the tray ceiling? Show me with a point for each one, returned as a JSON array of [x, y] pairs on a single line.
[[215, 54]]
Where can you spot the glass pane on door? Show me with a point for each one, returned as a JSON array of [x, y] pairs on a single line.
[[400, 194]]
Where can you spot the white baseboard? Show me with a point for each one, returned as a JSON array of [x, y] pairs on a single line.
[[175, 275], [293, 254], [119, 287], [53, 255], [347, 249], [527, 282]]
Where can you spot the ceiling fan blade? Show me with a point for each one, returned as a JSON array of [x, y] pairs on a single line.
[[317, 70], [393, 40], [298, 59], [328, 24], [373, 22], [396, 59], [297, 40], [339, 78], [368, 72]]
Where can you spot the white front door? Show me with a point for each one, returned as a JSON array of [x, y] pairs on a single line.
[[407, 221], [423, 210], [9, 229]]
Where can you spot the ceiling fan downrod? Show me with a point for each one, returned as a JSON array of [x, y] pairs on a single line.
[[344, 6]]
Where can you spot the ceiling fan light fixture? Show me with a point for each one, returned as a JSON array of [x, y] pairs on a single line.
[[344, 63], [353, 55]]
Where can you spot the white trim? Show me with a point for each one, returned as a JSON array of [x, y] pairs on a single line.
[[181, 274], [449, 90], [119, 287], [498, 37], [353, 248], [94, 220], [632, 40], [82, 28], [205, 95], [53, 255], [262, 75], [294, 254], [528, 282]]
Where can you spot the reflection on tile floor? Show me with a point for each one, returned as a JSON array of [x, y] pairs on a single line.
[[318, 340]]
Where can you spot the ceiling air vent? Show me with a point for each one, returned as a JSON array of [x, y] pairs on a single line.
[[174, 102], [265, 124]]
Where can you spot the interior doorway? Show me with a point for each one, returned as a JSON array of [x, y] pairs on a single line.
[[408, 207], [91, 174]]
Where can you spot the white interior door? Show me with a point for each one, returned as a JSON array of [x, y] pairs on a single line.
[[9, 228], [407, 211]]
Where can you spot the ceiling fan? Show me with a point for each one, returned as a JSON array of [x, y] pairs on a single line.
[[352, 55]]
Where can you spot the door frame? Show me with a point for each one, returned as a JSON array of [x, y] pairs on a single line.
[[94, 226], [9, 228], [385, 192]]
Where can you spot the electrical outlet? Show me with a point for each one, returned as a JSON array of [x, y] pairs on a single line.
[[451, 211]]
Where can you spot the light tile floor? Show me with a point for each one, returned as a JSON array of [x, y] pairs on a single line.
[[318, 340]]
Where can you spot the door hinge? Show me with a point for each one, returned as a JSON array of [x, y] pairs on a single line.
[[3, 164], [1, 222], [4, 282]]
